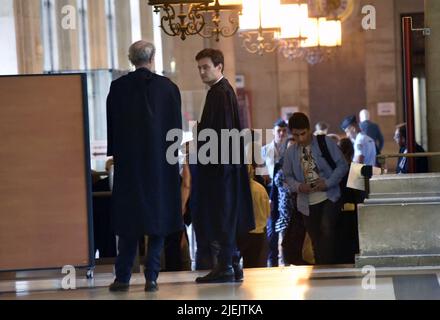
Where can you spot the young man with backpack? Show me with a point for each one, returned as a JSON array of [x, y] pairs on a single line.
[[314, 168]]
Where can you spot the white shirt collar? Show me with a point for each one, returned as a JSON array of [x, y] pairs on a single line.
[[218, 81]]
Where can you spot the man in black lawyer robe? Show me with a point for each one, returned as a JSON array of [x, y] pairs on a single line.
[[141, 108], [224, 206]]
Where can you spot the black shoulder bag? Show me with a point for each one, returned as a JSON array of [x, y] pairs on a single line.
[[324, 150]]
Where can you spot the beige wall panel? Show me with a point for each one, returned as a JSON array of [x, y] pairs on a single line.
[[43, 194]]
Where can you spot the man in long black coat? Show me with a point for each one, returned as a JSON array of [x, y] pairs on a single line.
[[224, 206], [141, 108]]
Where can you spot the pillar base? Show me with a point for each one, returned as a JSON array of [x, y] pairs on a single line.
[[398, 261]]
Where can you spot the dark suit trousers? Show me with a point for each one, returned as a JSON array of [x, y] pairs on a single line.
[[127, 252], [321, 226], [253, 248], [293, 240], [273, 239]]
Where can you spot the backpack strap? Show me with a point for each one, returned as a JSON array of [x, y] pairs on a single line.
[[324, 150]]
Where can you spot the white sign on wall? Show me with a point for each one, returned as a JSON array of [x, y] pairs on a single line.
[[98, 149], [239, 81], [386, 109]]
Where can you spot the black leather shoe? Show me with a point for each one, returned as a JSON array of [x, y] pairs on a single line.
[[119, 286], [218, 275], [151, 286], [238, 272]]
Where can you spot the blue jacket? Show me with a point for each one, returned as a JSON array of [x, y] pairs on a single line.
[[373, 131], [294, 173]]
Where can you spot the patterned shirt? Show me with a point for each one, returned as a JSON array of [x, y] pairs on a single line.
[[311, 175], [285, 202]]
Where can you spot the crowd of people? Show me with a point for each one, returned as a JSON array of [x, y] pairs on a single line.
[[241, 218]]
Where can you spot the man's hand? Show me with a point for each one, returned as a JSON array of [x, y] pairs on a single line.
[[266, 179], [185, 188], [305, 188], [321, 186]]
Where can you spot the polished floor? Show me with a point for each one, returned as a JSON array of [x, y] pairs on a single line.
[[283, 283]]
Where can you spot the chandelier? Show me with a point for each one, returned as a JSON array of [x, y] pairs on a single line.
[[312, 39], [187, 22], [264, 25], [215, 29], [293, 34], [259, 26], [185, 18], [323, 38]]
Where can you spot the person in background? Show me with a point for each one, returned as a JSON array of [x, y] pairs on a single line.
[[176, 247], [317, 185], [285, 198], [103, 235], [253, 156], [321, 128], [272, 153], [290, 224], [364, 146], [371, 129], [347, 149], [347, 228], [253, 245], [334, 136], [421, 163]]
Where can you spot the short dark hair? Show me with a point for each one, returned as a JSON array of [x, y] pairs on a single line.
[[215, 55], [348, 121], [347, 149], [280, 123], [299, 121], [402, 130]]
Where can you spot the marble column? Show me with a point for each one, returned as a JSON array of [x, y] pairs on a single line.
[[123, 32], [381, 67], [97, 34], [68, 39], [147, 27], [28, 36]]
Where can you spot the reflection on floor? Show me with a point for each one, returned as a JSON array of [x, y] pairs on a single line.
[[284, 283]]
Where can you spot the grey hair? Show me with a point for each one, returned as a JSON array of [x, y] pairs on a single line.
[[141, 52]]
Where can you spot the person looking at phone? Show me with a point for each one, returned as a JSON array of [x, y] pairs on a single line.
[[315, 176]]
